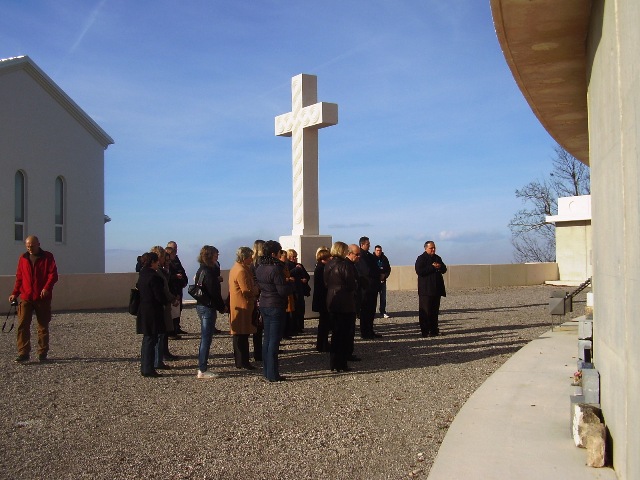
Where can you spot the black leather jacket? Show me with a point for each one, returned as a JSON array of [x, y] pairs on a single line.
[[340, 277]]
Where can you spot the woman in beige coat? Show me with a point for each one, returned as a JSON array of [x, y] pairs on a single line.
[[243, 292]]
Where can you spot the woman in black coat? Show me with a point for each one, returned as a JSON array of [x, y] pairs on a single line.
[[150, 318], [319, 301], [340, 278]]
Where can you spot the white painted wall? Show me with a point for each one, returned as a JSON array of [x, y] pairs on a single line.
[[42, 138], [573, 238]]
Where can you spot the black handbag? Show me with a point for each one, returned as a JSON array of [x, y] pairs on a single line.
[[134, 301], [197, 290]]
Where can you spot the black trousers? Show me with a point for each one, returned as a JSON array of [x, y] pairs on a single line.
[[241, 350], [257, 344], [324, 327], [428, 314], [368, 312], [343, 324], [298, 314]]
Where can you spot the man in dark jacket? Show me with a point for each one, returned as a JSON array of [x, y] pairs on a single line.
[[36, 275], [430, 268], [384, 269], [177, 282], [369, 287]]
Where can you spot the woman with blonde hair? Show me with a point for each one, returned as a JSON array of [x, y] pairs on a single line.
[[208, 276], [243, 293]]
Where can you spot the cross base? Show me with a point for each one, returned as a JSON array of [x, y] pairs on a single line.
[[306, 246]]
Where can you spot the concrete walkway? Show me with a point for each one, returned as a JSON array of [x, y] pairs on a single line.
[[517, 424]]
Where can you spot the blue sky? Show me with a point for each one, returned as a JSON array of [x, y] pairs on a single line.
[[433, 135]]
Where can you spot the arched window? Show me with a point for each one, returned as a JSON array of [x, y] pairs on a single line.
[[59, 210], [19, 207]]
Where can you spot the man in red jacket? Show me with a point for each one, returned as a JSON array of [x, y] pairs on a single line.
[[35, 277]]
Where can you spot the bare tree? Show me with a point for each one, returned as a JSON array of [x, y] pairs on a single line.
[[532, 238]]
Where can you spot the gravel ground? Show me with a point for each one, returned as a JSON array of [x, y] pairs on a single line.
[[89, 413]]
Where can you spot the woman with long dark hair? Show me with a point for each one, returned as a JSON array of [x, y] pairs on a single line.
[[274, 291], [150, 318], [258, 245], [319, 301]]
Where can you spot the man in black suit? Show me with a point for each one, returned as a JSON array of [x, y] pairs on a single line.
[[430, 268]]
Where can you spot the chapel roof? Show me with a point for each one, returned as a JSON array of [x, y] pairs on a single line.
[[544, 44], [25, 63]]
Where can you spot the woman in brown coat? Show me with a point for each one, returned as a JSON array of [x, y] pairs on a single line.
[[243, 292]]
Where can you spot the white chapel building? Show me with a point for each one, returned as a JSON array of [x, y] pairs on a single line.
[[52, 164]]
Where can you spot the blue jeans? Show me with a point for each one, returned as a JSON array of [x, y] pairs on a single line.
[[274, 322], [148, 354], [207, 317], [159, 360]]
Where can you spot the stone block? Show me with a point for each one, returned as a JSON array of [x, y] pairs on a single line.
[[583, 414], [585, 329], [591, 385], [595, 439], [582, 365], [574, 399], [584, 350]]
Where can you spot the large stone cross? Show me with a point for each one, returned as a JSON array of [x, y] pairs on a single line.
[[302, 124]]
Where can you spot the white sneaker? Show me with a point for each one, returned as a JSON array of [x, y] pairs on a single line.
[[385, 316], [206, 374]]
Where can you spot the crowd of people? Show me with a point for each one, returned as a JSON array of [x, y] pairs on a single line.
[[265, 301]]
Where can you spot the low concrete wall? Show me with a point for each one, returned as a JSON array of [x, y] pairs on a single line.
[[96, 291]]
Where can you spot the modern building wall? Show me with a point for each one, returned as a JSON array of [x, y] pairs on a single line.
[[614, 132], [573, 250], [573, 238], [44, 135]]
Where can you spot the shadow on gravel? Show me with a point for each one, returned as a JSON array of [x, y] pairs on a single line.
[[402, 348]]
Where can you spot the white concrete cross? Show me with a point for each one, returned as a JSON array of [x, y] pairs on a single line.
[[302, 123]]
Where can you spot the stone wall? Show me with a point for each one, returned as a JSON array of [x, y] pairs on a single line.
[[111, 290]]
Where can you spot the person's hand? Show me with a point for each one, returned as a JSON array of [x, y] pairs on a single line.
[[12, 298], [44, 293], [304, 280]]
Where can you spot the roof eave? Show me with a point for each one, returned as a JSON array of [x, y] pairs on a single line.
[[29, 66], [544, 44]]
